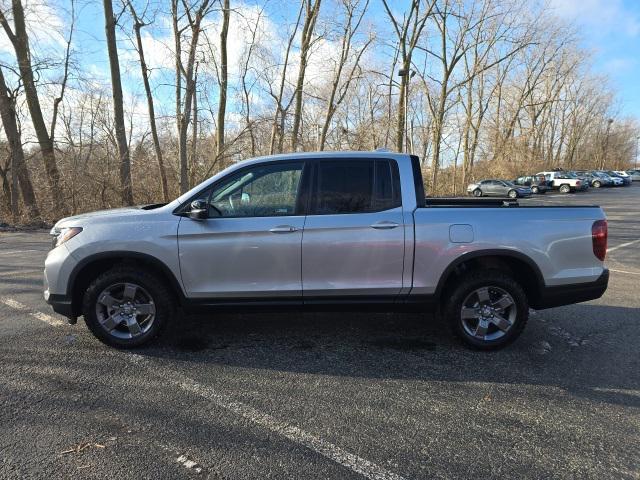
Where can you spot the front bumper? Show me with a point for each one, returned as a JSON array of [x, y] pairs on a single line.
[[58, 268], [61, 304], [557, 296]]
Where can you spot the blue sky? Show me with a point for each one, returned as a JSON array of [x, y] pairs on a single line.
[[611, 30]]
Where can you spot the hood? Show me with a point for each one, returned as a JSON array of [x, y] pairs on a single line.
[[78, 220]]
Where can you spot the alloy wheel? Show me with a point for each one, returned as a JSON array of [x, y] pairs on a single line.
[[125, 310], [488, 313]]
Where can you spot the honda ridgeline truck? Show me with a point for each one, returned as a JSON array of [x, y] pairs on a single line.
[[318, 230]]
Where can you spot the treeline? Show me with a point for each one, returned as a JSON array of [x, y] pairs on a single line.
[[474, 87]]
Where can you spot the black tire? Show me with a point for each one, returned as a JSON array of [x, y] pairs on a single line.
[[535, 190], [160, 296], [564, 188], [477, 192], [597, 184], [512, 194], [494, 280]]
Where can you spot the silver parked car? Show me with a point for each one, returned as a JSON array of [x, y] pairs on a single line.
[[320, 230], [498, 188], [634, 174]]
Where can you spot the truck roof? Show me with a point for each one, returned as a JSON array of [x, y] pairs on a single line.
[[324, 154]]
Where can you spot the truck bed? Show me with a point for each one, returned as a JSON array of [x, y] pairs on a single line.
[[487, 203]]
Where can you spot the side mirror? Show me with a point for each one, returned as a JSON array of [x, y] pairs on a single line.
[[199, 210]]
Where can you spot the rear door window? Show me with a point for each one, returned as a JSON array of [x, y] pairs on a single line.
[[356, 186]]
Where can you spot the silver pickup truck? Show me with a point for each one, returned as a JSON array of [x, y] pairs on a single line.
[[318, 230]]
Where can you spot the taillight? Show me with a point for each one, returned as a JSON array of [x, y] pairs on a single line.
[[599, 238], [578, 182]]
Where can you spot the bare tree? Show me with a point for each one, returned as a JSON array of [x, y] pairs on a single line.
[[19, 172], [144, 70], [408, 32], [244, 74], [340, 86], [222, 104], [312, 10], [277, 129], [20, 41], [184, 106], [118, 108]]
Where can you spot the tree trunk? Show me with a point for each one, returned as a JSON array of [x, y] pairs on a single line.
[[307, 34], [20, 41], [222, 104], [126, 191], [19, 171]]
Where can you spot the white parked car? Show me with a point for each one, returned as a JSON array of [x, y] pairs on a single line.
[[564, 181]]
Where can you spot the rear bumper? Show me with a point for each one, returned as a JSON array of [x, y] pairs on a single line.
[[574, 293]]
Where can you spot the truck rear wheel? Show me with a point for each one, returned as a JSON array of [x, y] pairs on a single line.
[[126, 307], [565, 188], [487, 310]]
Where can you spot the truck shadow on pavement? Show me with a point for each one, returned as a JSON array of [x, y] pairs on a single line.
[[587, 350]]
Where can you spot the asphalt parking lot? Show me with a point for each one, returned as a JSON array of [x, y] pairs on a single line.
[[318, 395]]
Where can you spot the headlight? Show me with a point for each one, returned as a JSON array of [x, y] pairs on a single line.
[[61, 235]]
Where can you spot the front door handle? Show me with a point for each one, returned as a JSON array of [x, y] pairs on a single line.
[[283, 229], [385, 225]]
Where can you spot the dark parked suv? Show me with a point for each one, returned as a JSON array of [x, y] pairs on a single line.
[[537, 183]]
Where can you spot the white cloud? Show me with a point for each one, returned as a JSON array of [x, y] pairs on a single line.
[[45, 27], [620, 65], [600, 16]]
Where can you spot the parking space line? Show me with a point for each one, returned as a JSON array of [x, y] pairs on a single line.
[[327, 449], [612, 249], [332, 452], [19, 272], [624, 271], [14, 252], [43, 317]]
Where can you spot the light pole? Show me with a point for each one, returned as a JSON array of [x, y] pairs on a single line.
[[408, 73], [605, 153]]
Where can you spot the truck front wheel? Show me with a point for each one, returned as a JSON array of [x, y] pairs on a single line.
[[126, 307], [487, 309]]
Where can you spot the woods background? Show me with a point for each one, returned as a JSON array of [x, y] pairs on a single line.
[[476, 88]]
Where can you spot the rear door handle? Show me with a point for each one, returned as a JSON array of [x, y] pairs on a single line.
[[283, 229], [385, 225]]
